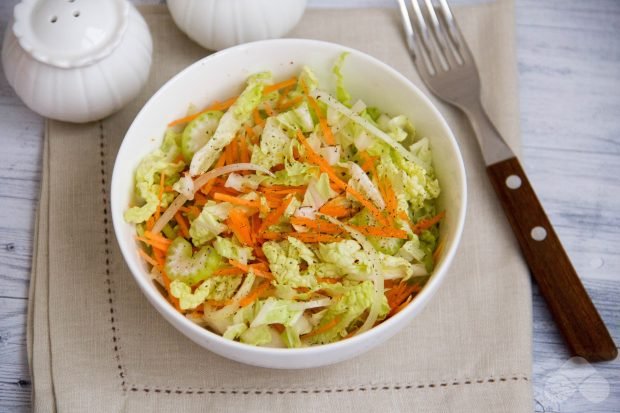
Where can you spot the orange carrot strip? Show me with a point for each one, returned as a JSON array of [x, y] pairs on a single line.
[[150, 223], [215, 106], [182, 225], [159, 257], [148, 258], [228, 271], [249, 132], [256, 269], [335, 211], [427, 223], [253, 296], [327, 132], [206, 188], [239, 224], [257, 117], [275, 215], [281, 85], [244, 153], [284, 105], [327, 280], [218, 196], [154, 244], [324, 166], [268, 109], [324, 328], [157, 237]]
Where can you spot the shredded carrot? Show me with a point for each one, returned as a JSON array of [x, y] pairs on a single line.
[[275, 215], [304, 87], [281, 85], [327, 280], [368, 162], [257, 117], [206, 188], [268, 109], [244, 153], [214, 107], [159, 257], [335, 211], [219, 303], [258, 252], [148, 258], [258, 269], [156, 237], [399, 294], [172, 298], [324, 166], [250, 298], [327, 132], [317, 224], [324, 328], [199, 199], [218, 196], [427, 223], [249, 132], [240, 226], [228, 271], [150, 223], [154, 244], [182, 225], [284, 105]]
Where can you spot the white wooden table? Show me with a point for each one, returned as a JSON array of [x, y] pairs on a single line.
[[569, 68]]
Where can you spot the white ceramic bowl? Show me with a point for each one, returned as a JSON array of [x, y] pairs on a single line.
[[366, 78]]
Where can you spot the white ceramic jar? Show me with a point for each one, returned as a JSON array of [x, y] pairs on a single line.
[[218, 24], [76, 60]]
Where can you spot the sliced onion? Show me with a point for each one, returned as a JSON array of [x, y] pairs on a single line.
[[199, 183], [169, 213]]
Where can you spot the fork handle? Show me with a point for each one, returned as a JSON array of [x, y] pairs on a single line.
[[568, 301]]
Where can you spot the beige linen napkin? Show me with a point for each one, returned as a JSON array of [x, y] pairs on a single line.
[[96, 344]]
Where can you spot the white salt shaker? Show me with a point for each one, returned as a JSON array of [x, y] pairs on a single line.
[[218, 24], [76, 60]]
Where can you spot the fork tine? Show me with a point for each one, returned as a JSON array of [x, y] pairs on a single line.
[[446, 50], [431, 52], [412, 42], [459, 45]]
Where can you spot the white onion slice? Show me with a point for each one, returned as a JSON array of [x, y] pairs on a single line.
[[198, 183]]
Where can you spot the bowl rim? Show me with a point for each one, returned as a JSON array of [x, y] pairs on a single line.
[[178, 320]]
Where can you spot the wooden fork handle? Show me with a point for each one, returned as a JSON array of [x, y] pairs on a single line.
[[568, 301]]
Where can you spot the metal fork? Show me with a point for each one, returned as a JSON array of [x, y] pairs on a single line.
[[447, 67]]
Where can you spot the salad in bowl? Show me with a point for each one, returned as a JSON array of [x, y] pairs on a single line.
[[289, 215]]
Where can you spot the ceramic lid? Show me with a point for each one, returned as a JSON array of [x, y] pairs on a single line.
[[70, 33]]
